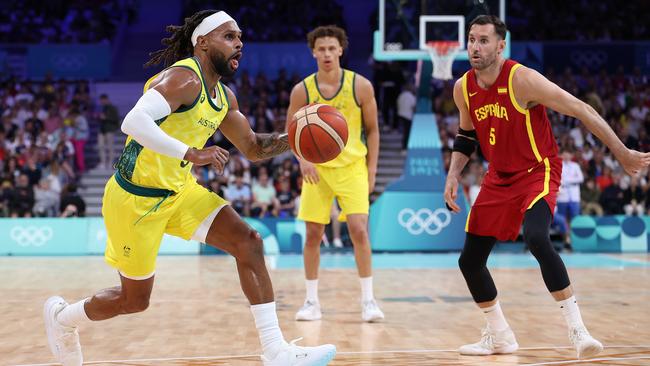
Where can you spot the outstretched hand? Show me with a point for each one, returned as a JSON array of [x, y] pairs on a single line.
[[634, 161]]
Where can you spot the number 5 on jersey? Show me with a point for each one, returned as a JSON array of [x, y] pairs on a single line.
[[493, 137]]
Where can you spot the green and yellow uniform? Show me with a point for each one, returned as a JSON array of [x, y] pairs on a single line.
[[151, 194], [345, 177]]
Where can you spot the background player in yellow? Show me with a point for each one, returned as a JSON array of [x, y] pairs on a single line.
[[153, 192], [350, 177]]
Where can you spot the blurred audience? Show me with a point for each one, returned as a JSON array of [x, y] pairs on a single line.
[[45, 126], [257, 26], [60, 21]]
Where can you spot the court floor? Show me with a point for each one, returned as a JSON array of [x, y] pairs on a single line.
[[199, 316]]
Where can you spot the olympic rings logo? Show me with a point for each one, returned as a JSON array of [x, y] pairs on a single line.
[[588, 58], [424, 220], [31, 235], [69, 61]]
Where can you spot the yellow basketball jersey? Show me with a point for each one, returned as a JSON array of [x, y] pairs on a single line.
[[345, 101], [193, 125]]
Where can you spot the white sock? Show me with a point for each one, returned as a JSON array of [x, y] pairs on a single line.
[[312, 290], [494, 316], [366, 289], [266, 322], [571, 312], [73, 315]]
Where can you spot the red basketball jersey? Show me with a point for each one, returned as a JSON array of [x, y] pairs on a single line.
[[512, 138]]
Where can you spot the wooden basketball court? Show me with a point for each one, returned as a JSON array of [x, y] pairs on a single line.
[[199, 316]]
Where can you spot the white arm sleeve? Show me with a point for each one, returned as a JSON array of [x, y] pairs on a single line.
[[140, 124]]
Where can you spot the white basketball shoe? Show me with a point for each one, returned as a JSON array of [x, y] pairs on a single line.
[[586, 345], [293, 355], [63, 341], [370, 311], [492, 342], [309, 311]]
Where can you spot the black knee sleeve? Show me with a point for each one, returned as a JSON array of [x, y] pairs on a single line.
[[536, 235], [472, 262]]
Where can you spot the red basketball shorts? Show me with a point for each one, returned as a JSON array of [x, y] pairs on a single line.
[[504, 198]]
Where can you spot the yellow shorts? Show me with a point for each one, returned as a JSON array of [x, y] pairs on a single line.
[[132, 247], [349, 184]]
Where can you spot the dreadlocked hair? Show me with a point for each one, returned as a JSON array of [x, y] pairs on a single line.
[[179, 44]]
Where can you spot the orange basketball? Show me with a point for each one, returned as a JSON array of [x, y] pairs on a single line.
[[318, 133]]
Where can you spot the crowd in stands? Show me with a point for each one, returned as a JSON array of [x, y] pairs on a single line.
[[62, 21], [42, 137], [579, 20], [273, 21]]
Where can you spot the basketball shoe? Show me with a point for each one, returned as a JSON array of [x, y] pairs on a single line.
[[492, 342], [293, 355], [370, 311], [586, 345], [63, 341], [309, 311]]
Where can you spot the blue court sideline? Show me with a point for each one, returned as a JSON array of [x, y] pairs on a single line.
[[450, 260]]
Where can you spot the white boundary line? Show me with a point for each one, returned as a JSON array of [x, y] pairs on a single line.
[[371, 353], [588, 360]]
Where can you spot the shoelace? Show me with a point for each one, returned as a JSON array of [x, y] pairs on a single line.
[[577, 334], [296, 351], [69, 340], [487, 338], [306, 305], [369, 305]]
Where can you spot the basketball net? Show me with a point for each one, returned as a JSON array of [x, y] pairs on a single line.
[[443, 54]]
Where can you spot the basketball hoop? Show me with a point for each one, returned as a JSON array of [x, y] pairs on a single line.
[[443, 54]]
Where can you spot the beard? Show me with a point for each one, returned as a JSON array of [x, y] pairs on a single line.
[[221, 64], [484, 62]]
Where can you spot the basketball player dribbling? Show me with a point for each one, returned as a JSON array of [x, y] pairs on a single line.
[[502, 107], [153, 192], [350, 177]]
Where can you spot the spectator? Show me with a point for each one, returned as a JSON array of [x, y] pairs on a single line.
[[63, 156], [405, 110], [612, 197], [6, 191], [71, 202], [559, 224], [216, 187], [335, 224], [264, 201], [32, 171], [239, 195], [634, 198], [53, 122], [286, 198], [590, 197], [46, 200], [21, 200], [80, 134], [605, 180], [109, 122], [391, 81], [568, 198]]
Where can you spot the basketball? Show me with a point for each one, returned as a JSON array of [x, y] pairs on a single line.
[[318, 133]]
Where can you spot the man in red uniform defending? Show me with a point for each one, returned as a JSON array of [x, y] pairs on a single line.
[[502, 107]]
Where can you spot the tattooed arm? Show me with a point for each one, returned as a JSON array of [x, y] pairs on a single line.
[[255, 146], [271, 144]]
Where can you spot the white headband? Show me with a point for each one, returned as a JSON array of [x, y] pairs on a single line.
[[209, 24]]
